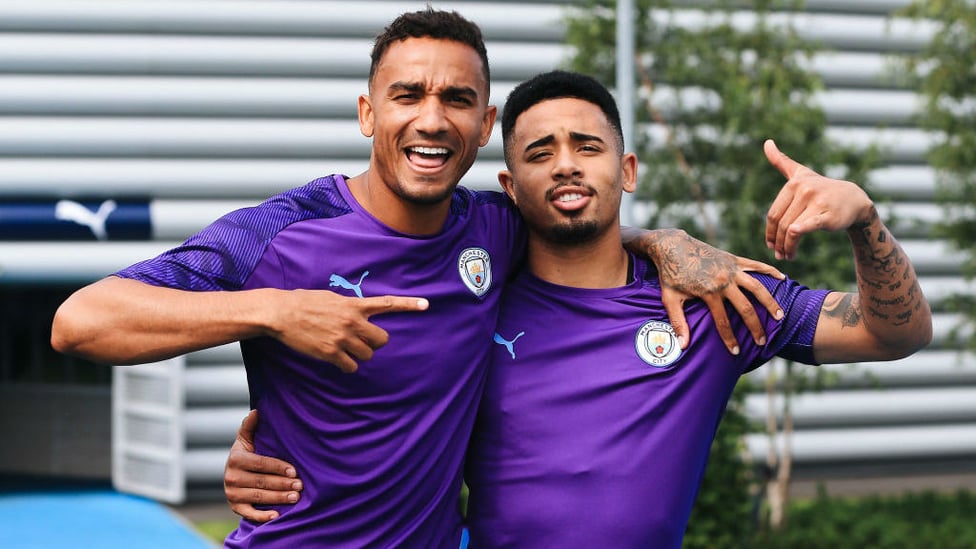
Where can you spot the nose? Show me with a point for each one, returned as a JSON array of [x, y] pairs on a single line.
[[431, 118], [566, 166]]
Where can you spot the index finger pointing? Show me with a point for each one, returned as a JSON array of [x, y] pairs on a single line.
[[786, 165], [391, 304]]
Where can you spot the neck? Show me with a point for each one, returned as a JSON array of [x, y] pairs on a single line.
[[600, 263], [395, 212]]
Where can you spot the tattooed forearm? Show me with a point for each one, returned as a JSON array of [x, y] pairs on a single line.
[[886, 280]]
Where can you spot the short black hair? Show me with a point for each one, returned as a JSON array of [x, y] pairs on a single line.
[[430, 23], [558, 85]]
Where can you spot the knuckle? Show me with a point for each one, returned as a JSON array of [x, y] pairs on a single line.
[[231, 478]]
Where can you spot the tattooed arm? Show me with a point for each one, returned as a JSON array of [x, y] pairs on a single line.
[[689, 268], [888, 317]]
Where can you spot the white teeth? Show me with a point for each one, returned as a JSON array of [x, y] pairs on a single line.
[[569, 197], [429, 150]]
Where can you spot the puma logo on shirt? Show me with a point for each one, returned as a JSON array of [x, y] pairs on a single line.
[[510, 345], [338, 280]]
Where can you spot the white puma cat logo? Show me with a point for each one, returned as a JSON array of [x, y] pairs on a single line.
[[69, 210]]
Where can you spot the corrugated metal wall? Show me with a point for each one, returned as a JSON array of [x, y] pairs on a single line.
[[137, 122]]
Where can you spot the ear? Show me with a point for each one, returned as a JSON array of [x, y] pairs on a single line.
[[508, 184], [629, 168], [365, 115], [487, 123]]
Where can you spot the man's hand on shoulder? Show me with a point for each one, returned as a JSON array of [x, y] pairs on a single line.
[[689, 268]]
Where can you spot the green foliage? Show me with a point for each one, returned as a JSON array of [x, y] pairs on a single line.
[[947, 80], [913, 520]]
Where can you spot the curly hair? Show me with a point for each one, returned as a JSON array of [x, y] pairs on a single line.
[[430, 23]]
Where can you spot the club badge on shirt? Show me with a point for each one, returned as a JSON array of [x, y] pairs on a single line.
[[474, 266], [657, 344]]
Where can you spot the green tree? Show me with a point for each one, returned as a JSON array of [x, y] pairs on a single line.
[[713, 92], [947, 80]]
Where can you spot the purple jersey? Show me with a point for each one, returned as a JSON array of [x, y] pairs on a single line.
[[379, 451], [595, 426]]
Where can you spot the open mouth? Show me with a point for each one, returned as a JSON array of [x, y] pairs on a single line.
[[570, 199], [428, 157]]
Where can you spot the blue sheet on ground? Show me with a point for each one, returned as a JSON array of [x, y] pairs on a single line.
[[103, 519]]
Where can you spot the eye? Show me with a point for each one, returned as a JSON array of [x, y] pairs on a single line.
[[541, 155], [460, 99]]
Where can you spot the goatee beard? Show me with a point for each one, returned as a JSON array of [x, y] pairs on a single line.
[[573, 232]]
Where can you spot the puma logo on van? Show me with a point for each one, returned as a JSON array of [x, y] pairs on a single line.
[[337, 280], [69, 210]]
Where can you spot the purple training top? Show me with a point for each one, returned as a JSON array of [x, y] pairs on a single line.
[[595, 427], [380, 451]]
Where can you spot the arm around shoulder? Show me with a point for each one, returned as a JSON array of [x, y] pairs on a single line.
[[689, 268]]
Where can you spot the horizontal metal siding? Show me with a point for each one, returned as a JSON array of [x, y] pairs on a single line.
[[200, 107]]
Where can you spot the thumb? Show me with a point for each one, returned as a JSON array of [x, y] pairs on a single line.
[[245, 434], [784, 164]]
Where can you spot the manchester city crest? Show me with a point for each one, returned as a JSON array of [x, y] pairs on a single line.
[[474, 266], [657, 344]]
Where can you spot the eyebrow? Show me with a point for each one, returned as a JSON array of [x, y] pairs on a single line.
[[575, 136], [417, 87]]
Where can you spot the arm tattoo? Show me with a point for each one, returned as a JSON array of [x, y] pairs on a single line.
[[886, 279], [692, 266], [845, 307]]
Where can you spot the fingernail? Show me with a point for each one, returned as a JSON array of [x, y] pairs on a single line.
[[681, 342], [778, 256], [292, 497], [290, 472], [422, 303], [735, 350], [779, 314], [297, 485], [762, 340]]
